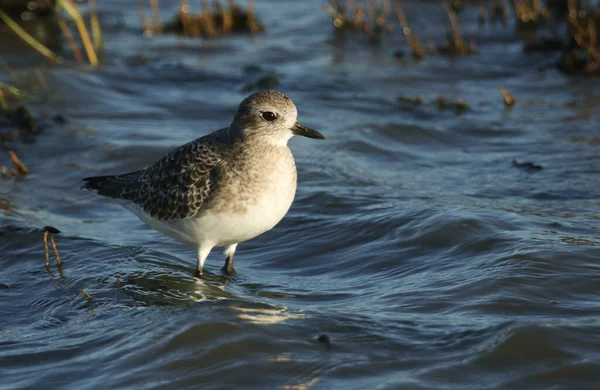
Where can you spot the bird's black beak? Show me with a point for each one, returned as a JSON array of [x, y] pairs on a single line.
[[300, 129]]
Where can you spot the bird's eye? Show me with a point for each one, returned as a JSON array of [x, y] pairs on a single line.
[[268, 116]]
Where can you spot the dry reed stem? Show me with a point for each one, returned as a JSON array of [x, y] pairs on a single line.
[[55, 249], [593, 49], [71, 41], [71, 9], [156, 23], [518, 7], [20, 167], [87, 43], [412, 40], [329, 11], [572, 4], [47, 251], [509, 100], [146, 24], [227, 21], [12, 90], [43, 50], [183, 16], [252, 25], [457, 45], [95, 27]]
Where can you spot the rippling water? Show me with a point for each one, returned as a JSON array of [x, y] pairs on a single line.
[[416, 255]]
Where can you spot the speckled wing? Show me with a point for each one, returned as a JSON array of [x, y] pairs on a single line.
[[175, 187]]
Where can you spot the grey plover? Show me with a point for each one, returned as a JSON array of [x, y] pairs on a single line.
[[221, 189]]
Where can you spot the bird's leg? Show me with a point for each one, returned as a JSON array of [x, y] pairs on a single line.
[[202, 254], [228, 267]]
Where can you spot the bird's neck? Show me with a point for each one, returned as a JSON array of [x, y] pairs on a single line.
[[266, 140]]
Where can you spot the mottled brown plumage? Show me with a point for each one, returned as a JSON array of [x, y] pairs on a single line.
[[176, 186]]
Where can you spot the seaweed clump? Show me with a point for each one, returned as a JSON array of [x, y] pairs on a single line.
[[19, 123]]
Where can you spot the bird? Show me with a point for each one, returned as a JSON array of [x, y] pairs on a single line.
[[221, 189]]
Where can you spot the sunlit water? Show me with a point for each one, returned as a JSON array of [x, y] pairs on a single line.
[[414, 244]]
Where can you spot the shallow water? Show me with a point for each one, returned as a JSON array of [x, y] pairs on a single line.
[[414, 244]]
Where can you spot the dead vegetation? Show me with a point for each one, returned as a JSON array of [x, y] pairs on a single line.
[[582, 53], [211, 21], [530, 14], [18, 169], [580, 49], [86, 294], [456, 44], [441, 103], [65, 12], [509, 100], [373, 18], [410, 37], [370, 17], [50, 231]]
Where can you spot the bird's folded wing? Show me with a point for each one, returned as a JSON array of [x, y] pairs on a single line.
[[178, 185]]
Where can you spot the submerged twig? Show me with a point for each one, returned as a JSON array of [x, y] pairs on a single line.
[[418, 100], [55, 249], [459, 105], [50, 231], [87, 295], [20, 168], [509, 100], [47, 252]]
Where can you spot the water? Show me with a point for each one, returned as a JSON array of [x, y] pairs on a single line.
[[414, 244]]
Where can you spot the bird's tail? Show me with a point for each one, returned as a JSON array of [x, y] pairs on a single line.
[[111, 186]]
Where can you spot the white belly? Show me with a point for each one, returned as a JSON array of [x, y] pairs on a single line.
[[229, 227]]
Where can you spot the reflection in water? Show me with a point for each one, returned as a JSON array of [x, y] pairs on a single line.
[[266, 316]]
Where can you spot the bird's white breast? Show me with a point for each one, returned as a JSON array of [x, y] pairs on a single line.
[[250, 205]]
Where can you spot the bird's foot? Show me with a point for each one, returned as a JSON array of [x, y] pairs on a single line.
[[198, 274]]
